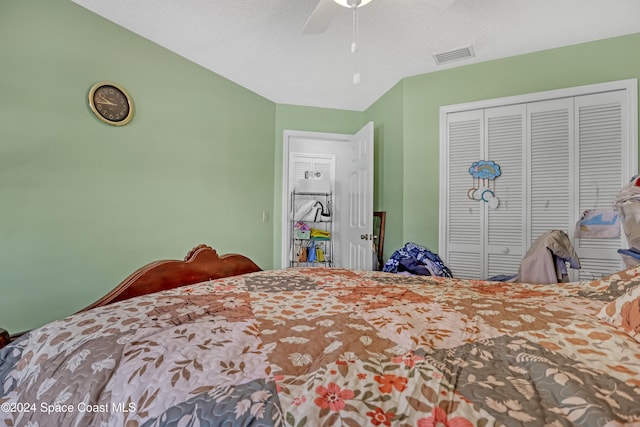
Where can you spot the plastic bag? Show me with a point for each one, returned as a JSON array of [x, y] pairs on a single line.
[[628, 205], [311, 256]]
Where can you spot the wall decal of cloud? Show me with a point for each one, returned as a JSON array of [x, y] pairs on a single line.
[[484, 169]]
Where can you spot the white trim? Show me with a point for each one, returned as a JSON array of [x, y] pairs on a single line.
[[632, 160], [632, 93], [443, 199], [631, 85]]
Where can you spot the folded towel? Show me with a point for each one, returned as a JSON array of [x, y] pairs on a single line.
[[320, 234]]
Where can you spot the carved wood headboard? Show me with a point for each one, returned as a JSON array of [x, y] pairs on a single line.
[[201, 263]]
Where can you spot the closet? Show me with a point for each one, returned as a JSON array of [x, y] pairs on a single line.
[[556, 154]]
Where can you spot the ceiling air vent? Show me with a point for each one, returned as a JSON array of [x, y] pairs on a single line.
[[454, 55]]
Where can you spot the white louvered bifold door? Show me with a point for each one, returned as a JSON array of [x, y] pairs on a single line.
[[560, 153], [464, 252], [505, 225], [551, 169], [600, 143], [301, 163]]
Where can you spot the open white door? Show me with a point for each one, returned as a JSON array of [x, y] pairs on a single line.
[[353, 190], [359, 229]]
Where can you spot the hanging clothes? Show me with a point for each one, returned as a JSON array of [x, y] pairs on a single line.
[[547, 258]]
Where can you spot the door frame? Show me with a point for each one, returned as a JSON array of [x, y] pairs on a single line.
[[288, 136]]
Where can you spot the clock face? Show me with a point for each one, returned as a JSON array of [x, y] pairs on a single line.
[[111, 103]]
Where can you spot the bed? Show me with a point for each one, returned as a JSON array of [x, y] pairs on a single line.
[[331, 347]]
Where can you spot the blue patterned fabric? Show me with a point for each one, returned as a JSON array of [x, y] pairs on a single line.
[[417, 260]]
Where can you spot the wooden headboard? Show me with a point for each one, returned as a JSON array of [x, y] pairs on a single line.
[[201, 263]]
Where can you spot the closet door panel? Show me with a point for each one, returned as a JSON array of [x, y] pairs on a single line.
[[505, 136], [551, 170], [464, 254], [299, 164], [577, 147], [600, 150]]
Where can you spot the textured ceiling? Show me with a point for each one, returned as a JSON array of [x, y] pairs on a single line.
[[259, 44]]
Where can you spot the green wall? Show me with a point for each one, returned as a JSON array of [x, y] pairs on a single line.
[[423, 95], [85, 203]]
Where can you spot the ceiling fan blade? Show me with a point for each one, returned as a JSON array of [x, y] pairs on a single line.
[[321, 17], [442, 4]]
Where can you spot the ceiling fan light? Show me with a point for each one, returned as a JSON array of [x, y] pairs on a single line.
[[352, 3]]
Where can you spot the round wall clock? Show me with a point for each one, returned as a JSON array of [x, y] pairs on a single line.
[[111, 103]]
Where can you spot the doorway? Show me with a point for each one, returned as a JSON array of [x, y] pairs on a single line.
[[347, 161]]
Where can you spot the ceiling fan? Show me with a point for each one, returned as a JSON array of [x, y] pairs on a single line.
[[325, 11], [321, 17]]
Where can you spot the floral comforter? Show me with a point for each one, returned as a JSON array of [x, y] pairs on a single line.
[[332, 347]]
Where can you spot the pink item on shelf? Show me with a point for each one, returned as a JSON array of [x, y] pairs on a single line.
[[303, 226]]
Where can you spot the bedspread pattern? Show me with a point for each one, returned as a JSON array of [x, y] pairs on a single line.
[[324, 347]]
